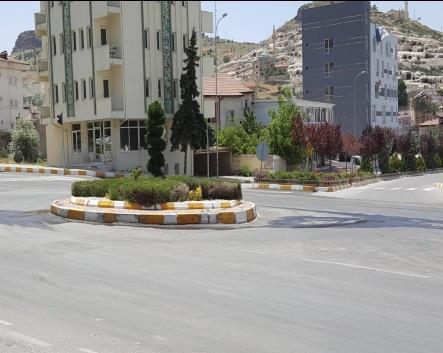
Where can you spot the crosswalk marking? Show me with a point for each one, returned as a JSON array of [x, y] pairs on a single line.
[[397, 188]]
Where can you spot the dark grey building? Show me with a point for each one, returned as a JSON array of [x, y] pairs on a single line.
[[336, 49]]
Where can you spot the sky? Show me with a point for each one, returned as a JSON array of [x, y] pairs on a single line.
[[247, 21]]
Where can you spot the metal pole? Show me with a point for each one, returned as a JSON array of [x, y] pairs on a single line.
[[207, 147]]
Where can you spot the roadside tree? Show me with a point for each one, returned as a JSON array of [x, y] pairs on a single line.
[[154, 138]]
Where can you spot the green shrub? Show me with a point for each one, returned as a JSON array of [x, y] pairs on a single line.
[[136, 173], [420, 163], [366, 165], [3, 154], [24, 141], [221, 191], [93, 188], [180, 192], [396, 165], [245, 171], [437, 161]]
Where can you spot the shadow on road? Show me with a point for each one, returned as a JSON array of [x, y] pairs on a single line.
[[36, 219]]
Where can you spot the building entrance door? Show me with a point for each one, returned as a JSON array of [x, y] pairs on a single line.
[[99, 141]]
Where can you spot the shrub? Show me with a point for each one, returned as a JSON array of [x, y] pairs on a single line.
[[136, 173], [366, 165], [179, 193], [3, 154], [245, 171], [93, 188], [222, 191], [420, 163], [24, 141], [195, 195], [437, 161], [396, 165]]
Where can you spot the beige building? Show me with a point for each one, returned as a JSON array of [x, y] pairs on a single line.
[[233, 98], [105, 62], [11, 91]]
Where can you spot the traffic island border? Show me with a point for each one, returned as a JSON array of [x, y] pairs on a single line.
[[311, 188], [14, 168], [438, 185], [186, 205], [244, 212]]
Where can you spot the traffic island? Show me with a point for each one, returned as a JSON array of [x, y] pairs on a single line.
[[312, 188], [239, 212], [438, 185]]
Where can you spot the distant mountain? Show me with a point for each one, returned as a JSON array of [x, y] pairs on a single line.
[[420, 50], [27, 40]]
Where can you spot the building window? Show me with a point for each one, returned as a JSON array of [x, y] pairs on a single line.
[[76, 138], [91, 88], [158, 40], [329, 44], [132, 135], [377, 89], [159, 88], [382, 91], [185, 42], [382, 68], [63, 92], [103, 36], [89, 36], [15, 103], [174, 88], [62, 44], [76, 90], [83, 89], [329, 93], [54, 46], [146, 38], [147, 88], [328, 69], [183, 3], [52, 3], [373, 114], [106, 88], [56, 93], [173, 42], [74, 40], [82, 38]]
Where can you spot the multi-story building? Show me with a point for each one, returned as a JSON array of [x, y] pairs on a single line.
[[11, 91], [105, 62], [351, 62]]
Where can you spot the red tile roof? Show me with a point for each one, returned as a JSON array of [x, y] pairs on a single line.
[[226, 86]]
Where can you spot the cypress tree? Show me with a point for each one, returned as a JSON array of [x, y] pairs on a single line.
[[189, 125], [154, 139]]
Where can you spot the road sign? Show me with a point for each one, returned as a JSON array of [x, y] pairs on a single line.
[[262, 151]]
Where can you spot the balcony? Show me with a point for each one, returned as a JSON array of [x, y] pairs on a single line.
[[105, 8], [107, 56], [40, 23], [42, 70], [112, 107]]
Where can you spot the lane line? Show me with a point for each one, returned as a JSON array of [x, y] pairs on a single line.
[[25, 338], [368, 268], [379, 188], [393, 189], [86, 350], [411, 189], [428, 189], [6, 323]]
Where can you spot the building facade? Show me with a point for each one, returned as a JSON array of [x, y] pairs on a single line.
[[105, 62], [340, 53], [11, 91], [316, 112]]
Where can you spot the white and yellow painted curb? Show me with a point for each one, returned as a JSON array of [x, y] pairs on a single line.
[[187, 205], [310, 188], [14, 168], [438, 185], [243, 212]]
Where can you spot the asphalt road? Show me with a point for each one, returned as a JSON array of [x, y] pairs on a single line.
[[270, 286]]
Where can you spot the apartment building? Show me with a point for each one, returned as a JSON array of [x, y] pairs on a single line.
[[351, 62], [11, 91], [105, 62]]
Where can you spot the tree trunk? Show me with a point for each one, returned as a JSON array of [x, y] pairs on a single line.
[[186, 160]]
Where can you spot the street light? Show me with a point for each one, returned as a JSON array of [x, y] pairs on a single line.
[[217, 103], [355, 82]]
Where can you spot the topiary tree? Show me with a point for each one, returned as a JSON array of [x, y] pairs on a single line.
[[189, 124], [154, 138], [24, 141]]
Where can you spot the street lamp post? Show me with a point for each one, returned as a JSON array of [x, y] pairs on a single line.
[[355, 83], [217, 103], [207, 147]]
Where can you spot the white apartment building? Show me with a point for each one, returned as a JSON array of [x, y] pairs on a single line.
[[383, 83], [105, 62], [11, 91]]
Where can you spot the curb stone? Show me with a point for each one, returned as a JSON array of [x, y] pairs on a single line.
[[310, 188], [13, 168], [187, 205], [438, 185], [243, 212]]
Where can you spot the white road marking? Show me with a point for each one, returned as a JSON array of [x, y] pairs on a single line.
[[411, 189], [395, 189], [379, 188], [6, 323], [428, 189], [86, 350], [25, 338], [98, 319], [367, 268]]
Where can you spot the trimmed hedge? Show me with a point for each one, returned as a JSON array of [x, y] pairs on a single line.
[[305, 176], [149, 191]]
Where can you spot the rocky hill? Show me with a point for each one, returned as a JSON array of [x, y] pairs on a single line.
[[27, 46], [420, 51]]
